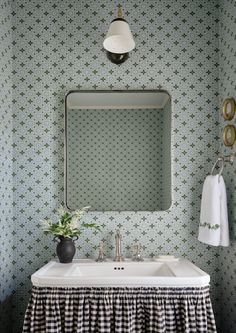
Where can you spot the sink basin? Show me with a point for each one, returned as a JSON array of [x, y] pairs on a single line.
[[113, 270], [82, 273]]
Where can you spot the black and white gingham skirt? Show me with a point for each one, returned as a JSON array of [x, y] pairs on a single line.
[[119, 310]]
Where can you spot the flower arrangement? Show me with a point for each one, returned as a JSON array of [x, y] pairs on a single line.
[[68, 223]]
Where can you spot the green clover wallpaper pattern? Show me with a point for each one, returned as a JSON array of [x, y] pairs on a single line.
[[57, 46], [227, 88], [6, 207]]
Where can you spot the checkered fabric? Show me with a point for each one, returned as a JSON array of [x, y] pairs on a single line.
[[119, 310]]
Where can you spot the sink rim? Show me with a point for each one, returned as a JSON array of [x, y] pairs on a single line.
[[40, 279]]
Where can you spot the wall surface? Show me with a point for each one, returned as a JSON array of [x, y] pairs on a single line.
[[57, 46], [227, 88], [6, 216]]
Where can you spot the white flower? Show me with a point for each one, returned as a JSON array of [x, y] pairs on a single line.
[[74, 222], [85, 208], [61, 210], [80, 213], [46, 223]]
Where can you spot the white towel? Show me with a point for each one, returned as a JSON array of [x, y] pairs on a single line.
[[213, 228]]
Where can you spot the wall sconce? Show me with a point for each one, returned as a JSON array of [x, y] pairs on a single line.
[[119, 40]]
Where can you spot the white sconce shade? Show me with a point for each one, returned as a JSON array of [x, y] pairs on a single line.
[[119, 38]]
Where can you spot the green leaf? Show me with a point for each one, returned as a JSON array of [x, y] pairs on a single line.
[[66, 224]]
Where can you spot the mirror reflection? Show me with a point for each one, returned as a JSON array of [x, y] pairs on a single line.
[[118, 150]]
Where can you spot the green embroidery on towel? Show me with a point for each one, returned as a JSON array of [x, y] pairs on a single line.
[[210, 226]]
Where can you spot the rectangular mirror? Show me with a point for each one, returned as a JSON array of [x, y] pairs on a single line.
[[118, 150]]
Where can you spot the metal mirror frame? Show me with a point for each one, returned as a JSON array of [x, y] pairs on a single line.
[[66, 134]]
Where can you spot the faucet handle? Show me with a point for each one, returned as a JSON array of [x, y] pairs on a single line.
[[137, 248], [101, 256]]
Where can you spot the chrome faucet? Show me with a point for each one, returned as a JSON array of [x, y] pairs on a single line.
[[118, 238]]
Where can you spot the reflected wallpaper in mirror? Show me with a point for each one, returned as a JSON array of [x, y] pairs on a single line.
[[118, 157]]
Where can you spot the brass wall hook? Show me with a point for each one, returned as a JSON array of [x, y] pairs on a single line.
[[229, 135], [229, 108]]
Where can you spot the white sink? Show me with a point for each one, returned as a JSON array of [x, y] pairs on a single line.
[[82, 272]]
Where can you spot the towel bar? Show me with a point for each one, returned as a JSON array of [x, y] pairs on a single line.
[[223, 159]]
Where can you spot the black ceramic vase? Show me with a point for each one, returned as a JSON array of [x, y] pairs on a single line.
[[65, 249]]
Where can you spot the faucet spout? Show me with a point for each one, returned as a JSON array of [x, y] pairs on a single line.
[[118, 238]]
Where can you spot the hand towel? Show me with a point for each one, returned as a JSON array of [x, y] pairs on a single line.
[[213, 228]]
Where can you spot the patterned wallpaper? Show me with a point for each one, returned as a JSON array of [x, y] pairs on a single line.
[[227, 70], [57, 46], [115, 159], [6, 221]]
